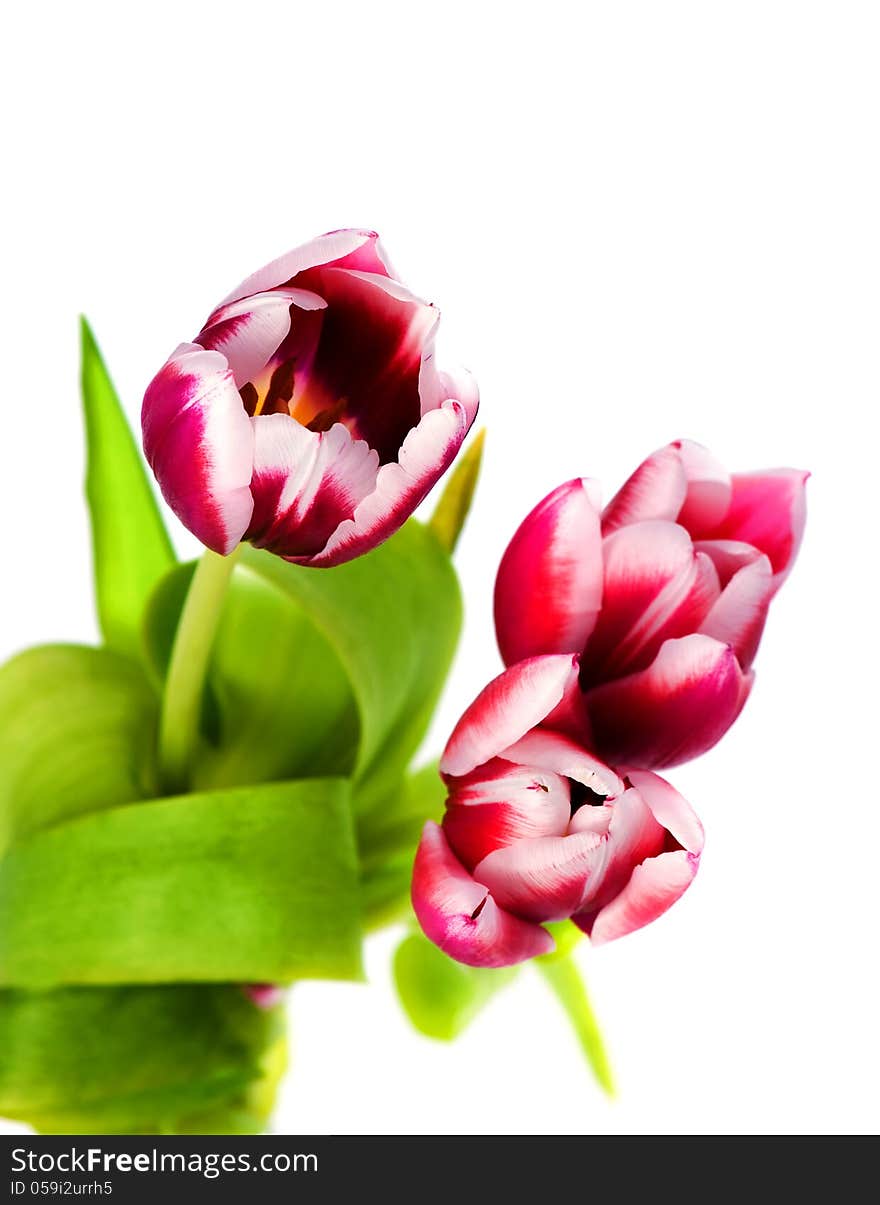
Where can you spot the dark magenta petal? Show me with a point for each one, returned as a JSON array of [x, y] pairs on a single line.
[[677, 708]]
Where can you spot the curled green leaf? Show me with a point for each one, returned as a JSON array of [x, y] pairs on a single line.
[[331, 672], [278, 701], [77, 734], [255, 884]]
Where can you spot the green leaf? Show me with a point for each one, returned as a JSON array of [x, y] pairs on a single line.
[[130, 544], [321, 671], [396, 826], [457, 498], [560, 971], [278, 703], [393, 617], [387, 840], [77, 734], [254, 884], [441, 997], [136, 1059]]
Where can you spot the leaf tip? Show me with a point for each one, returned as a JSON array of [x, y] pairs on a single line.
[[455, 502], [87, 341]]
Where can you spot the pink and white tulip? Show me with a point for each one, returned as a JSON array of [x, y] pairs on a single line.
[[537, 829], [663, 594], [308, 415]]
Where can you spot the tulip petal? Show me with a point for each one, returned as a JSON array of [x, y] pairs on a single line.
[[670, 809], [554, 753], [656, 490], [679, 611], [768, 509], [682, 481], [358, 248], [708, 487], [739, 615], [368, 360], [544, 878], [595, 818], [250, 331], [513, 703], [549, 585], [461, 917], [728, 556], [655, 587], [654, 887], [672, 711], [495, 806], [633, 834], [305, 484], [370, 257], [427, 453], [200, 445], [436, 386]]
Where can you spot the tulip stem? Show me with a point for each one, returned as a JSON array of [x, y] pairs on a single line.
[[562, 974], [185, 684]]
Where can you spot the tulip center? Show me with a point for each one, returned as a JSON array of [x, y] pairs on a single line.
[[356, 362], [582, 796], [273, 393]]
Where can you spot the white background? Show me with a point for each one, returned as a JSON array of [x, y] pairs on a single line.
[[641, 221]]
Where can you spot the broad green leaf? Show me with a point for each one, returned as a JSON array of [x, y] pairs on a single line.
[[130, 545], [77, 734], [393, 618], [278, 703], [254, 884], [441, 997], [135, 1059], [321, 671], [457, 498], [387, 840]]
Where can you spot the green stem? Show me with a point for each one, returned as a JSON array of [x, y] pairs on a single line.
[[190, 654], [563, 976]]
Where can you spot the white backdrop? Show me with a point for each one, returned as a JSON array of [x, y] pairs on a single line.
[[641, 221]]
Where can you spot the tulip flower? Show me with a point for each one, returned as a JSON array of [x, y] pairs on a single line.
[[537, 829], [308, 415], [664, 594]]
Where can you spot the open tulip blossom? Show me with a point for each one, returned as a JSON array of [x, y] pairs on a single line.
[[663, 594], [537, 829], [308, 415]]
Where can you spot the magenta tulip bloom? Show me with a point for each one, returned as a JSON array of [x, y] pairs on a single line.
[[537, 829], [664, 595], [308, 416]]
